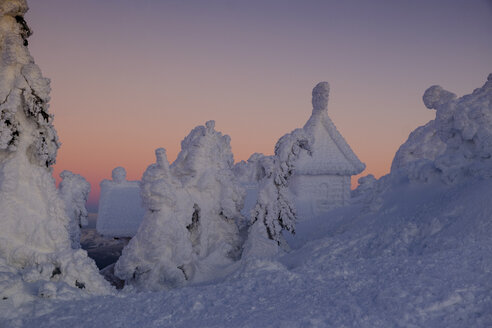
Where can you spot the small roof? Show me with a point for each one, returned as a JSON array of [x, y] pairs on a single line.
[[331, 154]]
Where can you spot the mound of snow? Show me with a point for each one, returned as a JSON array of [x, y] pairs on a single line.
[[120, 206]]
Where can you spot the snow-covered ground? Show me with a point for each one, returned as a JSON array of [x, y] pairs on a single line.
[[422, 260]]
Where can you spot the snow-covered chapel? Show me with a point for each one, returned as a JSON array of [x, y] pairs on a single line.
[[322, 179]]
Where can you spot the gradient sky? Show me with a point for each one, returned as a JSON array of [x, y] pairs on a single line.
[[129, 76]]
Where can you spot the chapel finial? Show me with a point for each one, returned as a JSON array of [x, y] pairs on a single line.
[[320, 96]]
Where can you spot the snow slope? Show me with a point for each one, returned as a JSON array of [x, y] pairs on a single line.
[[419, 263]]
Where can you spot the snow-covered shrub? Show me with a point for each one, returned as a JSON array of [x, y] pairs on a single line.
[[36, 255], [74, 191], [275, 209], [249, 172], [189, 232], [160, 254]]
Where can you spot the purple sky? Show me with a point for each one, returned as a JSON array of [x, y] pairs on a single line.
[[129, 76]]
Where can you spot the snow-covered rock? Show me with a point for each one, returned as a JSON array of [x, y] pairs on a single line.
[[36, 255], [423, 143], [120, 210], [465, 126], [457, 144], [74, 191], [189, 232]]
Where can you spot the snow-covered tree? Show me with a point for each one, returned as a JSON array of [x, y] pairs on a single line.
[[249, 171], [275, 207], [189, 231], [36, 257], [160, 254], [74, 191]]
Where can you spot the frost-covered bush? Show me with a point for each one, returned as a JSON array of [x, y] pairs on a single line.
[[74, 191], [36, 255], [189, 232], [160, 255], [249, 171]]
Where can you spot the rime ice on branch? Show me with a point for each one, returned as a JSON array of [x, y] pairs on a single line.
[[36, 257], [275, 207]]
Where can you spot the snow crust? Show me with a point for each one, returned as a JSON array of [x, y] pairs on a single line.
[[120, 206], [189, 232], [36, 255]]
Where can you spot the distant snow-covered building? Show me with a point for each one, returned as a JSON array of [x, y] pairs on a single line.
[[322, 178], [120, 206]]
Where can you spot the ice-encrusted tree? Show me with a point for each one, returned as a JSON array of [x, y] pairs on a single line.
[[189, 232], [74, 191], [36, 257], [275, 208], [159, 255]]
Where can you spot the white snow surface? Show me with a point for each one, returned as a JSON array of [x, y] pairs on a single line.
[[120, 206]]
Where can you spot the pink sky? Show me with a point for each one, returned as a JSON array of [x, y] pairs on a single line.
[[129, 76]]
